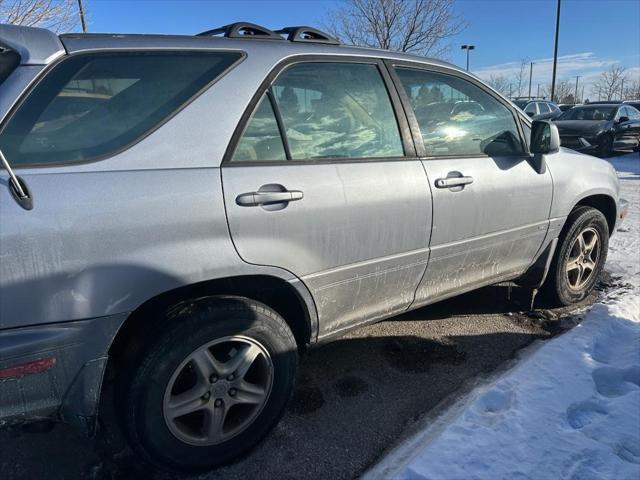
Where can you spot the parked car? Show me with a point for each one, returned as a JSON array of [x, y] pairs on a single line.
[[538, 109], [565, 106], [181, 216], [600, 128], [634, 103]]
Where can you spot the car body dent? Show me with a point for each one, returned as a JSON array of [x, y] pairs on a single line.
[[111, 251]]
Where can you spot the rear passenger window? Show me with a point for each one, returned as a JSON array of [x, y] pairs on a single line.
[[328, 110], [337, 110], [261, 140], [458, 118], [543, 107], [93, 105]]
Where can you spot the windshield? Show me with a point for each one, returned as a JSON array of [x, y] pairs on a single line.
[[595, 112]]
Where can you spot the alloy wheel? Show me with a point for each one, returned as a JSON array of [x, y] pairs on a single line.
[[218, 390], [583, 258]]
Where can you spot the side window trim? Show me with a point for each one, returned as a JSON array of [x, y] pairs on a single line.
[[397, 105], [279, 121], [413, 122]]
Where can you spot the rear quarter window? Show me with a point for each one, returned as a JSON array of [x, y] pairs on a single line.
[[90, 106]]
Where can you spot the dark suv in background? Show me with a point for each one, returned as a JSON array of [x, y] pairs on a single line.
[[600, 127]]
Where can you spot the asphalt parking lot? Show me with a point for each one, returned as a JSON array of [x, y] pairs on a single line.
[[356, 397]]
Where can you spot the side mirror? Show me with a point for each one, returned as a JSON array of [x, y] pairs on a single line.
[[545, 137], [623, 119]]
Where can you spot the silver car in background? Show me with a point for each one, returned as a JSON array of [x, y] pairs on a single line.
[[181, 216]]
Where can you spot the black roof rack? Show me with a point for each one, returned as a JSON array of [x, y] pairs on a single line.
[[251, 30], [243, 30], [307, 34]]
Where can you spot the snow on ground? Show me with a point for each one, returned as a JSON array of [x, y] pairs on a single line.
[[570, 409]]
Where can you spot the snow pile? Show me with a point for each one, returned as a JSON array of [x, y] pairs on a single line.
[[570, 410]]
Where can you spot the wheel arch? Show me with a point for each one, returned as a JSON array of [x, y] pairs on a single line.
[[286, 299], [605, 204]]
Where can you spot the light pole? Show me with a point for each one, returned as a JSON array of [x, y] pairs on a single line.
[[575, 95], [555, 53], [83, 21], [530, 75], [468, 48]]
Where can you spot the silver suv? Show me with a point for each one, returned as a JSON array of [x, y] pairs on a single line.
[[182, 215]]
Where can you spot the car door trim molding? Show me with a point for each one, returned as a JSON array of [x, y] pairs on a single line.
[[404, 129], [371, 261]]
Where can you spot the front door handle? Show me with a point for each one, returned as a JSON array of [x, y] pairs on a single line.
[[450, 182], [254, 199]]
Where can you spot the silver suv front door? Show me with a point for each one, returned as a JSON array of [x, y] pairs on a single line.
[[490, 207]]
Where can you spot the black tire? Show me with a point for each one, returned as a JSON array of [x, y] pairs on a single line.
[[605, 147], [205, 321], [557, 285]]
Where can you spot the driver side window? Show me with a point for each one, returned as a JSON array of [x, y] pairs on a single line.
[[457, 117]]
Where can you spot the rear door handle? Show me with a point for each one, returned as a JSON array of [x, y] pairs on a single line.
[[453, 182], [254, 199]]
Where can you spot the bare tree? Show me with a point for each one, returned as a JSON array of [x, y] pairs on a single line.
[[500, 83], [520, 76], [57, 15], [564, 92], [419, 26], [610, 82], [632, 90]]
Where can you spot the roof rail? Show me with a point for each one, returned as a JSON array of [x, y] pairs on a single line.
[[307, 34], [243, 30]]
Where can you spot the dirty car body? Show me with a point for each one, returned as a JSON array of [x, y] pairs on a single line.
[[242, 186]]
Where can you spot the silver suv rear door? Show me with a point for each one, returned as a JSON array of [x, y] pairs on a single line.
[[340, 200]]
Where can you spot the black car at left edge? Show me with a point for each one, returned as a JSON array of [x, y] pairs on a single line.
[[600, 128]]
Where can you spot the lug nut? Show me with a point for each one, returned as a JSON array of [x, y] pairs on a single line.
[[206, 396], [231, 377], [232, 392], [217, 403], [213, 378]]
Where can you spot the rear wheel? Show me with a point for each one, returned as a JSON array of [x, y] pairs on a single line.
[[211, 387], [580, 257]]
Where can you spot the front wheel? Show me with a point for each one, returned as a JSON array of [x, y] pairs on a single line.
[[605, 147], [212, 386], [580, 257]]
